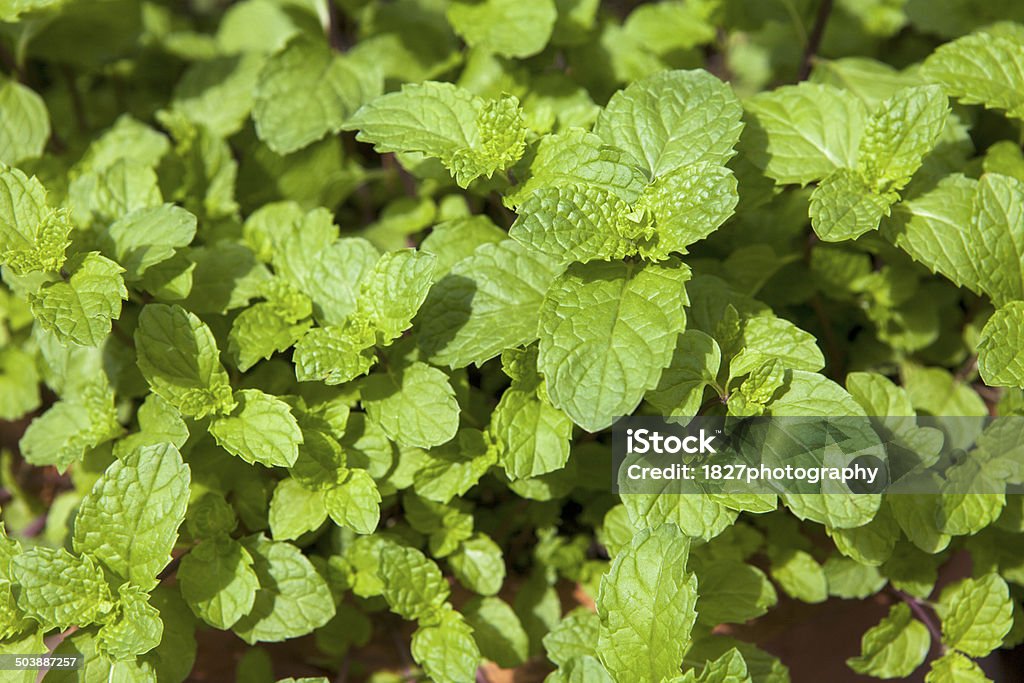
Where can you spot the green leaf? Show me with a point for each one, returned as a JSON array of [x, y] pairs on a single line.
[[488, 302], [59, 590], [799, 575], [295, 510], [413, 585], [446, 650], [581, 669], [136, 630], [34, 235], [694, 366], [844, 207], [260, 429], [394, 290], [534, 435], [673, 119], [79, 310], [497, 631], [63, 434], [578, 157], [178, 357], [148, 236], [852, 580], [899, 134], [576, 223], [478, 565], [218, 93], [894, 647], [999, 357], [802, 133], [646, 604], [574, 636], [24, 123], [355, 503], [19, 384], [504, 27], [129, 520], [159, 423], [218, 582], [976, 614], [455, 467], [607, 330], [305, 92], [471, 136], [292, 599], [981, 69], [271, 326], [953, 667], [732, 592], [415, 405], [334, 355]]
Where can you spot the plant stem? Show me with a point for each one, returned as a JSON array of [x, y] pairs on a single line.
[[922, 614], [814, 41]]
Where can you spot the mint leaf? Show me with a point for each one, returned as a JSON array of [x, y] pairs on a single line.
[[413, 585], [694, 366], [79, 310], [607, 330], [148, 236], [646, 605], [981, 68], [976, 614], [355, 503], [415, 405], [136, 630], [673, 119], [129, 520], [59, 590], [34, 235], [802, 133], [489, 301], [292, 599], [218, 581], [893, 648], [24, 123], [899, 134], [63, 434], [497, 631], [955, 668], [446, 650], [844, 207], [178, 357], [504, 27], [471, 136], [260, 429], [305, 91]]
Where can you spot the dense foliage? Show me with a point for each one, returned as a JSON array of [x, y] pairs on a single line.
[[315, 316]]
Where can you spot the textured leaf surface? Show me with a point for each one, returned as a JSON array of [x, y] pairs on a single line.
[[673, 119], [292, 599], [130, 519], [489, 301], [305, 92], [79, 311], [178, 357], [607, 330], [261, 429], [646, 605], [804, 132], [893, 648], [981, 69]]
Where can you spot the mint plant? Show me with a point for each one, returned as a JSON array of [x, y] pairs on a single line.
[[316, 315]]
